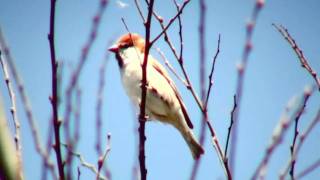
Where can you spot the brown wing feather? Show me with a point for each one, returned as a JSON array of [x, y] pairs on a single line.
[[163, 72]]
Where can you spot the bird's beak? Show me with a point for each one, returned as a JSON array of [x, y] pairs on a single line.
[[114, 48]]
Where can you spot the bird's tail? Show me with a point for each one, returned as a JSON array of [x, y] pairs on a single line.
[[195, 148]]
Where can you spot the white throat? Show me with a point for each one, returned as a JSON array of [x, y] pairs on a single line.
[[131, 55]]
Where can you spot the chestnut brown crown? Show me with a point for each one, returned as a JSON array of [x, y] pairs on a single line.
[[129, 40]]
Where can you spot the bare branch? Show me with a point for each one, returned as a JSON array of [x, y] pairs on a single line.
[[202, 73], [139, 10], [104, 156], [211, 73], [142, 116], [83, 162], [280, 130], [297, 148], [240, 79], [230, 128], [54, 95], [309, 169], [170, 22], [13, 110], [304, 62]]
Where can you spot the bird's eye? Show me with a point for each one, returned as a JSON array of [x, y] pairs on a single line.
[[124, 46]]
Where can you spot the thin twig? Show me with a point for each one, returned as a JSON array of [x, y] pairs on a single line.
[[240, 79], [230, 128], [299, 145], [309, 169], [104, 156], [82, 160], [139, 10], [54, 95], [280, 130], [304, 62], [211, 81], [79, 173], [307, 94], [13, 110], [170, 22]]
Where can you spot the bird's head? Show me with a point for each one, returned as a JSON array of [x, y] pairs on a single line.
[[127, 41], [127, 47]]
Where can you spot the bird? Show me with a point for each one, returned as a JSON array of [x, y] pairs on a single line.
[[163, 101]]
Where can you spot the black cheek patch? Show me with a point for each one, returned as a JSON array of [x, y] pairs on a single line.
[[119, 59]]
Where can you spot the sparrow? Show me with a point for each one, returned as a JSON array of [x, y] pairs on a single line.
[[163, 101]]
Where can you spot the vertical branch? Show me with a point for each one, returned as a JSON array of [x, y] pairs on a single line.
[[202, 73], [142, 116], [240, 80], [54, 96], [303, 61], [13, 111]]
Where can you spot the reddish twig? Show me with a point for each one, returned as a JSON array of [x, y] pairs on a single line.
[[309, 169], [54, 96], [142, 116], [277, 136], [240, 79], [304, 62], [229, 129], [13, 111], [103, 157]]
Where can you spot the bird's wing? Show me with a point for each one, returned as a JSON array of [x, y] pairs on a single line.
[[159, 68]]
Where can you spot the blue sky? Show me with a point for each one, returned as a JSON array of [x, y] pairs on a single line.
[[274, 75]]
